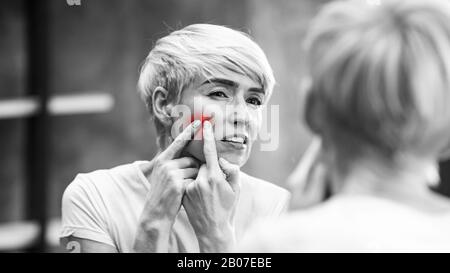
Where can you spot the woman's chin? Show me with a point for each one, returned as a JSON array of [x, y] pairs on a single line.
[[234, 159]]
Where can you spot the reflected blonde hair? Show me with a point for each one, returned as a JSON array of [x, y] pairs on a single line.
[[181, 57], [380, 76]]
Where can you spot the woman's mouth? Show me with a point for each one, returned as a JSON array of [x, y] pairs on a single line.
[[236, 141]]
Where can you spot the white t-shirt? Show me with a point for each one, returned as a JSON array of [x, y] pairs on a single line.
[[106, 205], [353, 224]]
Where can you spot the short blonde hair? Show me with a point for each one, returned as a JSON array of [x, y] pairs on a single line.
[[197, 50], [380, 75]]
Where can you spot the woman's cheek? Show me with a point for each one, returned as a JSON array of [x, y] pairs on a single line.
[[255, 123], [210, 113], [215, 115]]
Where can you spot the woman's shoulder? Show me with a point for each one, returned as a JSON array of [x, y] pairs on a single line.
[[263, 198], [437, 203], [260, 184], [353, 223], [262, 187], [104, 181]]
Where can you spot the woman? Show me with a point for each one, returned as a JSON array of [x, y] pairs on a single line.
[[205, 87], [378, 100]]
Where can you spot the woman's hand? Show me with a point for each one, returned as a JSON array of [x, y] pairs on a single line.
[[168, 177], [210, 201], [309, 181]]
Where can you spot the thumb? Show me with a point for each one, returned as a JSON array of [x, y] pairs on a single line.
[[232, 172]]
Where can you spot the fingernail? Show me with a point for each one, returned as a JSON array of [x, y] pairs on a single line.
[[207, 134], [207, 125], [196, 123]]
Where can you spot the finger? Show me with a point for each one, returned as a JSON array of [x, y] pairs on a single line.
[[209, 148], [184, 162], [188, 184], [189, 173], [313, 194], [316, 186], [202, 175], [232, 173], [309, 184], [189, 187], [299, 179], [180, 141], [188, 181]]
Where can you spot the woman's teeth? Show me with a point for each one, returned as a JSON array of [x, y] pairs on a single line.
[[240, 140]]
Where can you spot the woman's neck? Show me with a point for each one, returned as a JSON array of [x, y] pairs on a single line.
[[406, 180]]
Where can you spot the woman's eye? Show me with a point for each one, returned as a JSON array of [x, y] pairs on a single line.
[[254, 101], [218, 94]]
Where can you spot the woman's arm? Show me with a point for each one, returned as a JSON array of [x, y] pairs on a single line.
[[78, 245], [168, 176]]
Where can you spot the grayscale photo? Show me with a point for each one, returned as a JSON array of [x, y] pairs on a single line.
[[245, 127]]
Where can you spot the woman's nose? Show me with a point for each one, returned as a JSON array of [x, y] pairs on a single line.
[[240, 114]]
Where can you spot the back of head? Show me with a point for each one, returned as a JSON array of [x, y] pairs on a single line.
[[184, 55], [380, 76]]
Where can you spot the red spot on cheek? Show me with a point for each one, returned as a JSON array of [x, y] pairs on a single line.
[[201, 117]]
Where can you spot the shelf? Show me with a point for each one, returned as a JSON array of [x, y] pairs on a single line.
[[57, 105], [22, 235]]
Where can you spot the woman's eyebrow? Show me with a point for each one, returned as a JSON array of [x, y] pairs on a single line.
[[257, 90], [221, 81], [233, 84]]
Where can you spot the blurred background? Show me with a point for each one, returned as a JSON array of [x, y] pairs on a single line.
[[82, 61]]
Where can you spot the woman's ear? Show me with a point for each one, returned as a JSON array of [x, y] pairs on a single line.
[[312, 111], [161, 106]]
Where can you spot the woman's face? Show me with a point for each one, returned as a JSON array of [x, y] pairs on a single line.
[[233, 104]]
